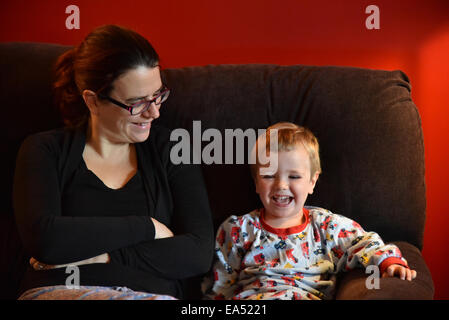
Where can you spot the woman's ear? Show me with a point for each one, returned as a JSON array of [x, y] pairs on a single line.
[[91, 101]]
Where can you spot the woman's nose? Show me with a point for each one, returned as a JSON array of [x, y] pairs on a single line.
[[152, 112]]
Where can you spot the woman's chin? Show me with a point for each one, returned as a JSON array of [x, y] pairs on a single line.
[[139, 134], [140, 138]]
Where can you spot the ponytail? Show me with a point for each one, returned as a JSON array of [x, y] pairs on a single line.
[[67, 96]]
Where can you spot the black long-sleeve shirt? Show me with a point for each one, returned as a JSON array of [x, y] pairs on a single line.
[[65, 214]]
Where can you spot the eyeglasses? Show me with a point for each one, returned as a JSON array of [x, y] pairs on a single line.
[[141, 106]]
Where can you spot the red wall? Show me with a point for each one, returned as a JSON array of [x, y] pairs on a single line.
[[414, 37]]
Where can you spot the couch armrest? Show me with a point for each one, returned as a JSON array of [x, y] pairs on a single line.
[[351, 285]]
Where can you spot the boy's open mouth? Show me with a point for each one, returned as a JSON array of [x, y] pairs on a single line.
[[282, 200]]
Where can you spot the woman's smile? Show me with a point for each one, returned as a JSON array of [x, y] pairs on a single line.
[[142, 125]]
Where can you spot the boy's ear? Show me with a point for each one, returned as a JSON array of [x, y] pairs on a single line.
[[256, 184], [256, 181], [254, 171], [313, 181]]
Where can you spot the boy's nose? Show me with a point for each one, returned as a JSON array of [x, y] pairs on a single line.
[[281, 184]]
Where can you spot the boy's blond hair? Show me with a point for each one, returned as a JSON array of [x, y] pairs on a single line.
[[289, 135]]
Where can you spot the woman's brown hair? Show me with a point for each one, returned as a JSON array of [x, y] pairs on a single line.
[[105, 54]]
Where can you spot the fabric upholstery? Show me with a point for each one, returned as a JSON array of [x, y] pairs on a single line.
[[352, 285], [368, 127]]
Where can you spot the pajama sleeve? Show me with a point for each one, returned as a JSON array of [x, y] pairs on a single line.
[[354, 247], [227, 265]]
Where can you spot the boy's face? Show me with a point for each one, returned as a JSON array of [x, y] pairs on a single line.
[[284, 192]]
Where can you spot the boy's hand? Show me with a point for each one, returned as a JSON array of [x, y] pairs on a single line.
[[400, 272]]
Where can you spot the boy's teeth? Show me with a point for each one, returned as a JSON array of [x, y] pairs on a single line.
[[284, 199]]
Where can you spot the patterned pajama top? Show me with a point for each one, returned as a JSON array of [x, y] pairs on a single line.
[[256, 261]]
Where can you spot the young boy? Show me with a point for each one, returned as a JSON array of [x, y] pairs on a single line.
[[286, 250]]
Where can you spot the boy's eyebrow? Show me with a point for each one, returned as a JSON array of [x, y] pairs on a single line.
[[144, 97], [297, 171]]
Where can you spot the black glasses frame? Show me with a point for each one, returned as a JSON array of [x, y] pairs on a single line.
[[165, 91]]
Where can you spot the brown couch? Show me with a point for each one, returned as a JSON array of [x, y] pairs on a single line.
[[368, 127]]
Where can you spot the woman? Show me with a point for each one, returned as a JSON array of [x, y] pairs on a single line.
[[102, 193]]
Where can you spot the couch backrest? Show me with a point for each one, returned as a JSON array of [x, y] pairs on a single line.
[[366, 122]]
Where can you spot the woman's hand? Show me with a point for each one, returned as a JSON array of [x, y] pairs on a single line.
[[400, 272], [161, 230], [102, 258]]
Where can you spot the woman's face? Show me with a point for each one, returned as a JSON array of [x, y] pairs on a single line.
[[135, 85]]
